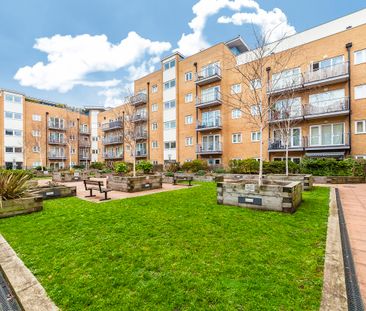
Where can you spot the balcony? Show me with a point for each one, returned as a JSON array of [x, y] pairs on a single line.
[[296, 144], [112, 140], [138, 99], [285, 85], [56, 156], [207, 149], [141, 135], [84, 144], [84, 157], [209, 100], [115, 125], [57, 127], [327, 75], [56, 141], [207, 125], [140, 117], [328, 142], [280, 116], [141, 153], [327, 108], [84, 131], [208, 75], [113, 155]]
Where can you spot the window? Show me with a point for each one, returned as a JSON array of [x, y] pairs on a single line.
[[213, 161], [360, 91], [169, 105], [169, 64], [360, 57], [361, 127], [72, 151], [9, 149], [170, 145], [13, 115], [188, 76], [13, 99], [155, 162], [36, 164], [36, 149], [188, 98], [236, 88], [169, 125], [18, 149], [211, 119], [154, 107], [236, 138], [235, 113], [154, 89], [287, 108], [326, 63], [360, 157], [154, 126], [327, 134], [188, 119], [286, 78], [254, 110], [36, 117], [154, 144], [72, 137], [95, 151], [71, 123], [255, 84], [170, 84], [256, 136], [13, 132], [189, 141], [36, 133]]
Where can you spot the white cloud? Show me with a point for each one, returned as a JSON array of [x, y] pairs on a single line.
[[71, 59], [266, 20]]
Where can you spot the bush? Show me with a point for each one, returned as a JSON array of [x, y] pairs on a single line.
[[144, 166], [13, 183], [201, 173], [173, 167], [247, 166], [195, 166], [219, 171], [97, 165], [79, 167], [279, 167], [121, 168]]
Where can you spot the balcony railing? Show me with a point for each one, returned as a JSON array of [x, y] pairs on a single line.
[[84, 144], [287, 84], [56, 141], [327, 142], [208, 75], [84, 131], [138, 99], [141, 153], [335, 73], [209, 99], [115, 125], [113, 155], [141, 135], [84, 157], [295, 143], [339, 106], [140, 117], [56, 156], [54, 126], [215, 148], [112, 140], [278, 115], [214, 124]]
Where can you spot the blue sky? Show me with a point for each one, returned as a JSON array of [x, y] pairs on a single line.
[[89, 65]]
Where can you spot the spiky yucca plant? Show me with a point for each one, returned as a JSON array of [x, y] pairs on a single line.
[[13, 184]]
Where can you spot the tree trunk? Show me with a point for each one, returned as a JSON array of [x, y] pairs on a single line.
[[260, 176], [286, 159], [134, 164]]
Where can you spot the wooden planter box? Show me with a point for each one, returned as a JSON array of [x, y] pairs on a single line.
[[282, 196], [53, 192], [65, 177], [306, 180], [134, 184], [339, 180], [20, 206]]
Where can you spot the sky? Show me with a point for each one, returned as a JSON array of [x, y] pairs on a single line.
[[89, 52]]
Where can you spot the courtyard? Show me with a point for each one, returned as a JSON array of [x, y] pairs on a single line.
[[176, 250]]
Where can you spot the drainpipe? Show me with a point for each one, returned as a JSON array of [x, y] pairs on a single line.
[[148, 121], [46, 155], [348, 47], [196, 72], [268, 69]]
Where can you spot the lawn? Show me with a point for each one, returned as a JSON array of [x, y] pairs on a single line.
[[176, 250]]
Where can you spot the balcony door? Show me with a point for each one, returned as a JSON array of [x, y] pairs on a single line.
[[327, 101], [294, 139], [210, 94], [211, 142], [211, 118], [327, 135], [210, 70]]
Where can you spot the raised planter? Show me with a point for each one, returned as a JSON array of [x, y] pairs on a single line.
[[339, 180], [168, 179], [134, 184], [282, 196], [209, 178], [20, 206], [306, 180], [54, 191], [65, 177]]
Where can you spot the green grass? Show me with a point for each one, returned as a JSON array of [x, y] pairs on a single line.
[[176, 250]]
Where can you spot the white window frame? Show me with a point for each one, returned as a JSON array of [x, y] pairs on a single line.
[[154, 126], [154, 107], [154, 144], [255, 136], [320, 126], [154, 88], [188, 98], [169, 84], [235, 88], [360, 91], [363, 125], [170, 125], [255, 84], [362, 55], [189, 141], [188, 119], [171, 104], [236, 113], [188, 76], [36, 117], [236, 138]]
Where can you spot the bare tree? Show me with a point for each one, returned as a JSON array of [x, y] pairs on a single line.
[[253, 72]]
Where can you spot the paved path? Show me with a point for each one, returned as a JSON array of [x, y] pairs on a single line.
[[353, 199]]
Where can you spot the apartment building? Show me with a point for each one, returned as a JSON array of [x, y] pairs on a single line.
[[186, 113], [37, 132]]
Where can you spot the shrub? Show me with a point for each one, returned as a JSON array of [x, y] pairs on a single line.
[[121, 168], [13, 184], [79, 167], [279, 167], [173, 167], [247, 166], [97, 165], [201, 173], [195, 166], [219, 171], [144, 166]]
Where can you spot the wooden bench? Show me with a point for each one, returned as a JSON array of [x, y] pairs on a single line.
[[91, 185], [178, 178]]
